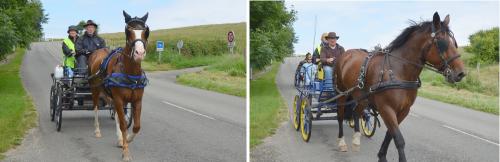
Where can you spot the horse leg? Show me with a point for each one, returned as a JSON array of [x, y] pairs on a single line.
[[137, 120], [398, 136], [118, 131], [385, 145], [95, 101], [340, 118], [390, 119], [356, 142], [123, 127]]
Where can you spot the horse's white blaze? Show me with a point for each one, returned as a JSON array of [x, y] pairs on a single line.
[[139, 49]]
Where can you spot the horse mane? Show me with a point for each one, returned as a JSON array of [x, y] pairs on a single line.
[[424, 26]]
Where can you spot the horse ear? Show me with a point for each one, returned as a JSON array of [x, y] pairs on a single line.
[[145, 17], [446, 20], [127, 16], [436, 20]]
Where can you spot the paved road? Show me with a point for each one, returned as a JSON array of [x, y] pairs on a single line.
[[179, 123], [433, 131]]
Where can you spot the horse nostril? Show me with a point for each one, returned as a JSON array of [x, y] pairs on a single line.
[[461, 75]]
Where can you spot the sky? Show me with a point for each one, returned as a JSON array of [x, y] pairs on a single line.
[[163, 14], [364, 24]]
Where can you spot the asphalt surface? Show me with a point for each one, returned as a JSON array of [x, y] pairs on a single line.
[[434, 131], [178, 123]]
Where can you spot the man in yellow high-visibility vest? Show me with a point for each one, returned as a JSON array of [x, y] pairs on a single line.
[[68, 48], [317, 51]]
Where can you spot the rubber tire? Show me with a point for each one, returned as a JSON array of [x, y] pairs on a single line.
[[52, 102], [296, 113], [305, 111], [58, 111], [369, 133]]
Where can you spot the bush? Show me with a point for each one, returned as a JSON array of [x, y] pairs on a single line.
[[484, 47]]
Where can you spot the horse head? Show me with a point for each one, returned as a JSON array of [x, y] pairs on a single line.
[[442, 51], [137, 34]]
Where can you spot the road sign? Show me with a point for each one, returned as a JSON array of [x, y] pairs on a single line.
[[159, 46], [230, 36], [230, 41], [179, 45]]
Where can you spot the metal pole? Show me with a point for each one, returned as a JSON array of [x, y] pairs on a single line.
[[314, 38], [159, 57]]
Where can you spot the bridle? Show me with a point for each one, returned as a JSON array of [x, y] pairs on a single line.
[[442, 46], [137, 39]]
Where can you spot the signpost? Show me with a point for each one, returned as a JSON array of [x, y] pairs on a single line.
[[159, 49], [230, 41], [179, 45]]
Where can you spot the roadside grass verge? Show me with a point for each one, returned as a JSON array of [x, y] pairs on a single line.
[[225, 75], [478, 90], [266, 106], [17, 112]]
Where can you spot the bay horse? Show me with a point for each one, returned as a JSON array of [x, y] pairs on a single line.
[[391, 76], [122, 79]]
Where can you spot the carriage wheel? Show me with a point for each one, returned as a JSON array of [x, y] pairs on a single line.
[[305, 120], [351, 123], [52, 102], [296, 112], [58, 108], [128, 116], [368, 124]]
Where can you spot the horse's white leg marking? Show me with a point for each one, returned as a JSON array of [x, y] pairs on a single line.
[[96, 122], [118, 131]]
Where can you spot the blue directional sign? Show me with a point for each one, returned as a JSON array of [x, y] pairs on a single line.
[[159, 46]]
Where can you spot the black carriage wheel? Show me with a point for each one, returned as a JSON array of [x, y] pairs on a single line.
[[52, 102], [129, 114], [369, 124], [306, 122], [58, 111]]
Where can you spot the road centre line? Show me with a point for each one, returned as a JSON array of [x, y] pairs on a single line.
[[457, 130], [188, 110]]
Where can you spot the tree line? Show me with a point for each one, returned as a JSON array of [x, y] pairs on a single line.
[[20, 24], [271, 32]]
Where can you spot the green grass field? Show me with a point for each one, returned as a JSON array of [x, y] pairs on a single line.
[[204, 45], [17, 113], [225, 75], [478, 90], [267, 107]]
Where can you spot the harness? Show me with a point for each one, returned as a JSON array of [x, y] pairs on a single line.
[[393, 83]]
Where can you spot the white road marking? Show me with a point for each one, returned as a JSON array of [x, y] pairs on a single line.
[[414, 115], [188, 110], [455, 129]]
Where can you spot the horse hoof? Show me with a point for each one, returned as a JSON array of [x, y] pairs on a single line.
[[343, 148], [382, 160], [127, 158], [98, 134], [356, 148]]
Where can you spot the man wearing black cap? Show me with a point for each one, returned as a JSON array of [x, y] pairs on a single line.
[[87, 44], [328, 55], [68, 48]]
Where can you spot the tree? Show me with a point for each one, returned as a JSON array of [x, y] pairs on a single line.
[[484, 46], [21, 23], [272, 35]]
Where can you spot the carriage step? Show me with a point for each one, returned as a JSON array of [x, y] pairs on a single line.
[[83, 93]]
